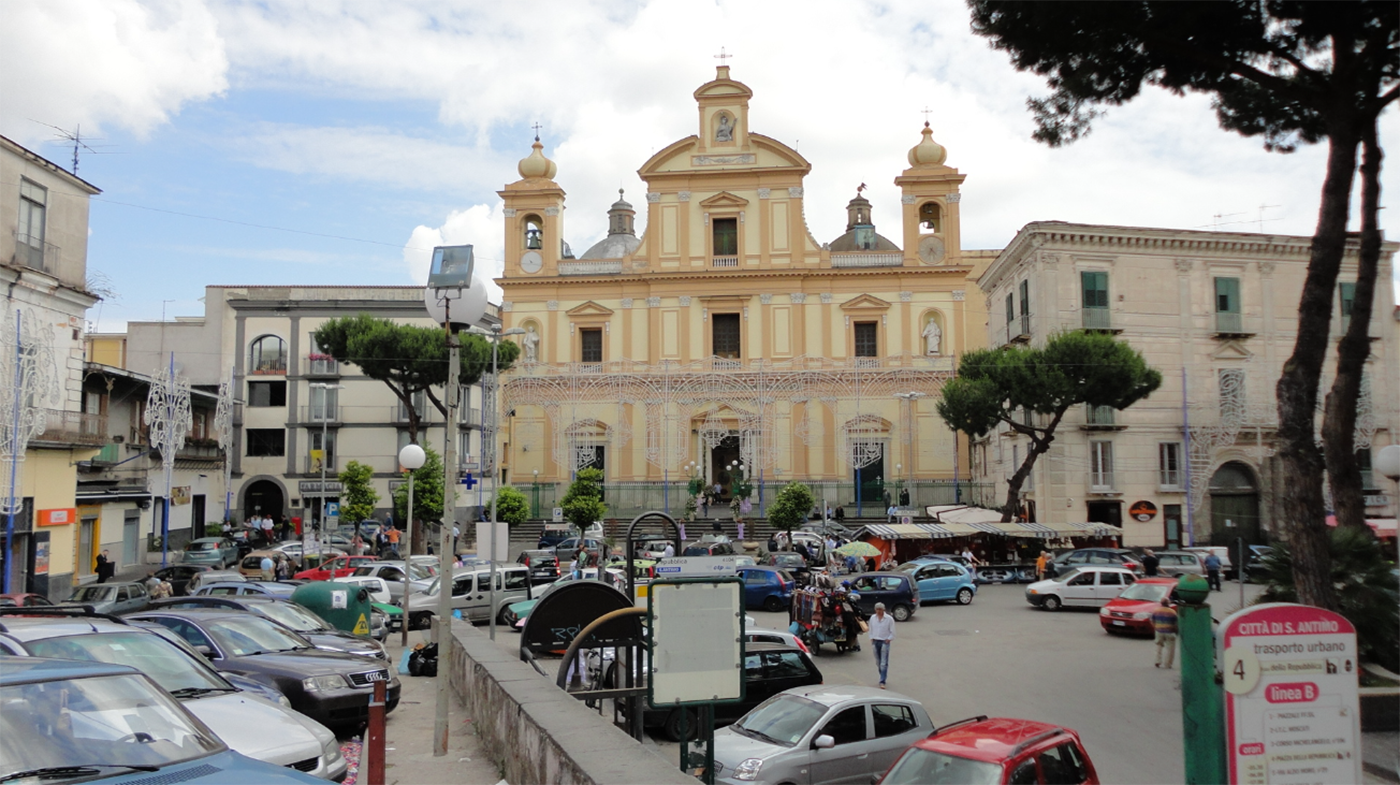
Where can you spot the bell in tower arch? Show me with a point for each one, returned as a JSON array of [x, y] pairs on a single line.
[[930, 218]]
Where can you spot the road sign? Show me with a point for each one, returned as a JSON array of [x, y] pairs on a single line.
[[697, 641], [332, 509], [697, 567], [558, 514], [1292, 712]]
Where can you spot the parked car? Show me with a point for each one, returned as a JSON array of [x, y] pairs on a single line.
[[1132, 610], [180, 575], [334, 567], [790, 561], [996, 751], [288, 614], [655, 549], [332, 688], [219, 552], [1117, 557], [299, 553], [514, 614], [707, 547], [543, 565], [1085, 586], [237, 588], [210, 577], [56, 714], [111, 598], [23, 600], [471, 587], [260, 729], [1254, 566], [769, 668], [897, 590], [250, 566], [768, 588], [941, 580], [1178, 563], [553, 535], [763, 635], [392, 573], [568, 549], [819, 735]]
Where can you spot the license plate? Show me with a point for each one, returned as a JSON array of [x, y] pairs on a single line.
[[1121, 623]]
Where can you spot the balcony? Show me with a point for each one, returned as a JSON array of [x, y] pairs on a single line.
[[200, 450], [322, 365], [1230, 325], [1099, 319], [398, 413], [591, 267], [1101, 418], [34, 253], [867, 259], [74, 428], [320, 413], [1018, 329], [469, 417], [724, 261]]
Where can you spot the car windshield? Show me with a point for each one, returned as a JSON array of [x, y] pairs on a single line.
[[1066, 576], [242, 637], [101, 722], [1150, 592], [174, 670], [91, 594], [292, 615], [202, 546], [919, 766], [782, 719]]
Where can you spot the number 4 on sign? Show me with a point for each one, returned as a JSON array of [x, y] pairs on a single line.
[[470, 481]]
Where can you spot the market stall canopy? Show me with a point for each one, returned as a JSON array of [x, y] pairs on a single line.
[[904, 531]]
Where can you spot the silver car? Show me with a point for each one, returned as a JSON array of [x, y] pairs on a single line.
[[819, 734], [113, 598]]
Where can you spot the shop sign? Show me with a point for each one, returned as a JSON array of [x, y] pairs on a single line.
[[58, 517], [1143, 511]]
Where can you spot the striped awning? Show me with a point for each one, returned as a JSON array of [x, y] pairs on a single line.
[[905, 531]]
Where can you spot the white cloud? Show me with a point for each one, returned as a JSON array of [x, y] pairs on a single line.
[[119, 63], [480, 226]]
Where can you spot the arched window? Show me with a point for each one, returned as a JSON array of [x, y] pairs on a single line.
[[534, 233], [268, 354], [931, 217]]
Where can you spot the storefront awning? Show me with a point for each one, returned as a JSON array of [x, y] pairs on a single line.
[[904, 531]]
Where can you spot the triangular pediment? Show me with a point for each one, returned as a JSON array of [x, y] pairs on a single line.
[[1231, 350], [724, 199], [589, 308], [865, 302]]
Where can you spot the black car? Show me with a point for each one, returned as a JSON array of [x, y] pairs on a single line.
[[179, 576], [332, 688], [290, 615], [1081, 557], [897, 590], [769, 668], [792, 562], [544, 565], [709, 548]]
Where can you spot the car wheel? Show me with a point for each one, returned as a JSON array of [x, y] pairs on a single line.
[[964, 596], [1052, 603], [673, 725], [773, 603], [901, 612], [420, 621]]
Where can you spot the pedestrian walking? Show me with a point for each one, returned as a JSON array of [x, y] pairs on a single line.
[[152, 582], [1042, 565], [456, 533], [394, 541], [284, 570], [881, 636], [105, 567], [268, 569], [1149, 563], [1213, 571], [890, 512], [267, 529], [1164, 625]]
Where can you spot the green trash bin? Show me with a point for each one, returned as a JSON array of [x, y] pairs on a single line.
[[342, 605]]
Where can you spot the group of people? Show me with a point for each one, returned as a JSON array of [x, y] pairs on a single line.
[[267, 531]]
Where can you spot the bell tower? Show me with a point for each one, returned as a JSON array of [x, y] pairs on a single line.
[[930, 199], [534, 218]]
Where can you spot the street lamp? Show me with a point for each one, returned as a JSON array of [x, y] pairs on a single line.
[[411, 458], [909, 398], [326, 387], [535, 506]]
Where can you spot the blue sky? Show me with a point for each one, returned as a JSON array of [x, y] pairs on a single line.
[[380, 129]]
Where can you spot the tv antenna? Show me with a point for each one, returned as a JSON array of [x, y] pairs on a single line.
[[80, 143]]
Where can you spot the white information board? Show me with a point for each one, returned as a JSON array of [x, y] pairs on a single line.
[[698, 567], [1292, 711], [697, 641]]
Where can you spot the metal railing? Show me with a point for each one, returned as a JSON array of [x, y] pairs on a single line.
[[64, 427], [867, 259], [590, 267], [1097, 319], [35, 253], [199, 451], [1099, 415], [724, 261], [319, 413], [322, 366], [398, 413], [1228, 322]]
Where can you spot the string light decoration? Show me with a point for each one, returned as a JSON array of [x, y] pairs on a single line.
[[169, 420], [223, 421], [28, 387]]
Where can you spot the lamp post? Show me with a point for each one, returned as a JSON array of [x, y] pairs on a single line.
[[411, 458], [899, 481], [325, 417], [535, 505]]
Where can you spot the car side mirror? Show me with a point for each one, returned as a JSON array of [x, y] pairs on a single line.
[[205, 650], [823, 742]]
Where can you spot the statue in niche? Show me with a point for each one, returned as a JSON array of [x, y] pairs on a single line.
[[531, 342], [933, 337], [725, 132]]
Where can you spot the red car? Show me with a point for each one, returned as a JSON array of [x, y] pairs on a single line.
[[1132, 610], [999, 750], [335, 567]]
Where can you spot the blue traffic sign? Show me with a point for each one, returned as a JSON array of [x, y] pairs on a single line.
[[470, 481]]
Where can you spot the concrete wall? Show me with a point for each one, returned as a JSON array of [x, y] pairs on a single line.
[[535, 731]]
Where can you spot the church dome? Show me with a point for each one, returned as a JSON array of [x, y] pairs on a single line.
[[927, 152], [860, 229], [535, 164], [622, 239]]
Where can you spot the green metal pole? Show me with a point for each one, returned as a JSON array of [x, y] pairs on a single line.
[[1202, 699]]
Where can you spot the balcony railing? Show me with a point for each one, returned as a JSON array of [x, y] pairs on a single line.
[[320, 365], [34, 253], [63, 427], [867, 259], [1097, 319], [724, 261], [469, 416], [1101, 482], [319, 413], [200, 450], [1227, 322], [1099, 415], [399, 414], [591, 267]]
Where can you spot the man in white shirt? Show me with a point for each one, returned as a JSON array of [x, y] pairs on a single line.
[[670, 552], [881, 636]]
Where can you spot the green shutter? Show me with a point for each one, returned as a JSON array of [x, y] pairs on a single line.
[[1348, 296], [1095, 287], [1025, 298], [1227, 295], [1010, 309]]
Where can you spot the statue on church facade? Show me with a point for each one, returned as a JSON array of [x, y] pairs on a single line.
[[725, 132], [530, 342], [933, 337]]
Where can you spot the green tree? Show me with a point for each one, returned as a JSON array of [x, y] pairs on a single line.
[[408, 358], [583, 502], [427, 497], [1291, 72], [357, 497], [1002, 386], [512, 506], [1366, 590], [789, 510]]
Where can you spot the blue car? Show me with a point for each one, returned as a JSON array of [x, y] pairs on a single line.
[[76, 720], [941, 580], [768, 588]]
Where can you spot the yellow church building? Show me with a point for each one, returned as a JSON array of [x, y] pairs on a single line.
[[726, 335]]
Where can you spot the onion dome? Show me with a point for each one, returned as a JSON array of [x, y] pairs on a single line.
[[927, 152], [535, 164]]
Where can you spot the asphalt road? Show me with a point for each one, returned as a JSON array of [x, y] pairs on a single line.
[[1001, 657]]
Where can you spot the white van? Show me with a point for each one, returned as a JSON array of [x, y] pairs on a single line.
[[471, 594]]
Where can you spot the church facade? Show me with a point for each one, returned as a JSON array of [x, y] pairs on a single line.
[[727, 336]]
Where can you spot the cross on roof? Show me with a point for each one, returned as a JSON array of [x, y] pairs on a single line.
[[721, 57], [927, 111], [537, 128]]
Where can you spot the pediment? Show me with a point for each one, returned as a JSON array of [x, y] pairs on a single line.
[[725, 199], [865, 302], [589, 308], [1231, 350]]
